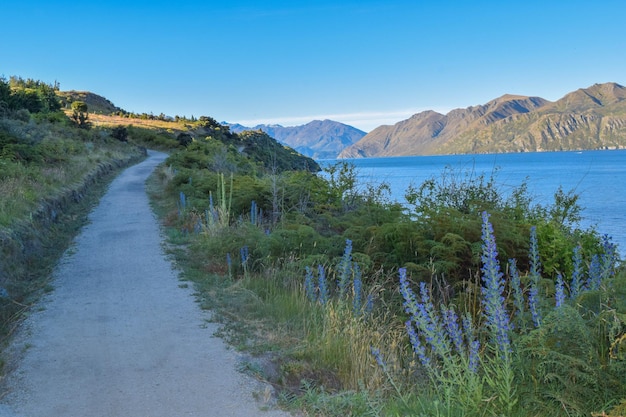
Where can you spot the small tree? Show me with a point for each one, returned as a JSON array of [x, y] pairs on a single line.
[[120, 133], [80, 114], [184, 139]]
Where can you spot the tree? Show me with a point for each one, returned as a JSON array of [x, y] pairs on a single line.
[[80, 114], [184, 139], [5, 94], [120, 133]]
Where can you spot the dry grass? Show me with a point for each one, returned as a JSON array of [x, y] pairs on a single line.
[[112, 120]]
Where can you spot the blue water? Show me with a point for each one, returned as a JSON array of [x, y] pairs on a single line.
[[597, 177]]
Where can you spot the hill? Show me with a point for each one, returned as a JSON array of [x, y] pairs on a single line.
[[319, 139], [95, 103], [591, 118]]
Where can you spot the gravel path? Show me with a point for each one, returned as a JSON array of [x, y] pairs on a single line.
[[118, 336]]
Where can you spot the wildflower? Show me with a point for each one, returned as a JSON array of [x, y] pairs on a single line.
[[358, 290], [516, 286], [577, 286], [473, 344], [474, 356], [535, 264], [344, 269], [244, 252], [493, 288], [535, 276], [410, 302], [560, 292], [430, 325], [452, 328], [609, 257], [594, 278], [379, 357], [323, 288], [533, 303], [417, 346], [424, 318], [229, 263], [253, 212]]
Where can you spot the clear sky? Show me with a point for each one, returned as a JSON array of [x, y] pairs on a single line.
[[360, 62]]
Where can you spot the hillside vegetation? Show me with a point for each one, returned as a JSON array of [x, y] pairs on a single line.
[[591, 118], [50, 171]]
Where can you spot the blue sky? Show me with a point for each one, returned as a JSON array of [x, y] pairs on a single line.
[[363, 63]]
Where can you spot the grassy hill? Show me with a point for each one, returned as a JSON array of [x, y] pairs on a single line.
[[97, 104]]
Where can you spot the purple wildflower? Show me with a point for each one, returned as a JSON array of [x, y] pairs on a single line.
[[417, 346], [535, 264], [229, 263], [577, 286], [425, 319], [472, 342], [474, 357], [533, 303], [451, 323], [594, 279], [244, 252], [493, 287], [430, 325], [410, 301], [323, 288], [357, 285], [345, 266], [560, 292], [609, 258], [535, 277], [379, 357], [516, 286]]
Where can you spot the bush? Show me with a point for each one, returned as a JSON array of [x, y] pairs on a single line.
[[120, 133]]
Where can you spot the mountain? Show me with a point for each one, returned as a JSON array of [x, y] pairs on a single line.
[[590, 118], [319, 139]]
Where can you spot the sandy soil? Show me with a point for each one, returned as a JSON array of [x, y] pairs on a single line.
[[118, 336]]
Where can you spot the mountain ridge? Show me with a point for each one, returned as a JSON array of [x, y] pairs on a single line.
[[318, 139], [588, 118]]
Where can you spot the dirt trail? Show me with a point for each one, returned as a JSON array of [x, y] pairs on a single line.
[[118, 336]]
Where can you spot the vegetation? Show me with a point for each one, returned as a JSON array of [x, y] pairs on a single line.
[[466, 304], [50, 172]]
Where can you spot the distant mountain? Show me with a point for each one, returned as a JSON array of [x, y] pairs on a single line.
[[319, 139], [591, 118]]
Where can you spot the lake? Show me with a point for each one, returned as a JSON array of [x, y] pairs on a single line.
[[598, 177]]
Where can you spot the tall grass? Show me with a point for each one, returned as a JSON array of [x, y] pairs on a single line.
[[53, 159]]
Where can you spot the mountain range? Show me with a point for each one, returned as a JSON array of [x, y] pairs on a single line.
[[589, 118], [319, 139]]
